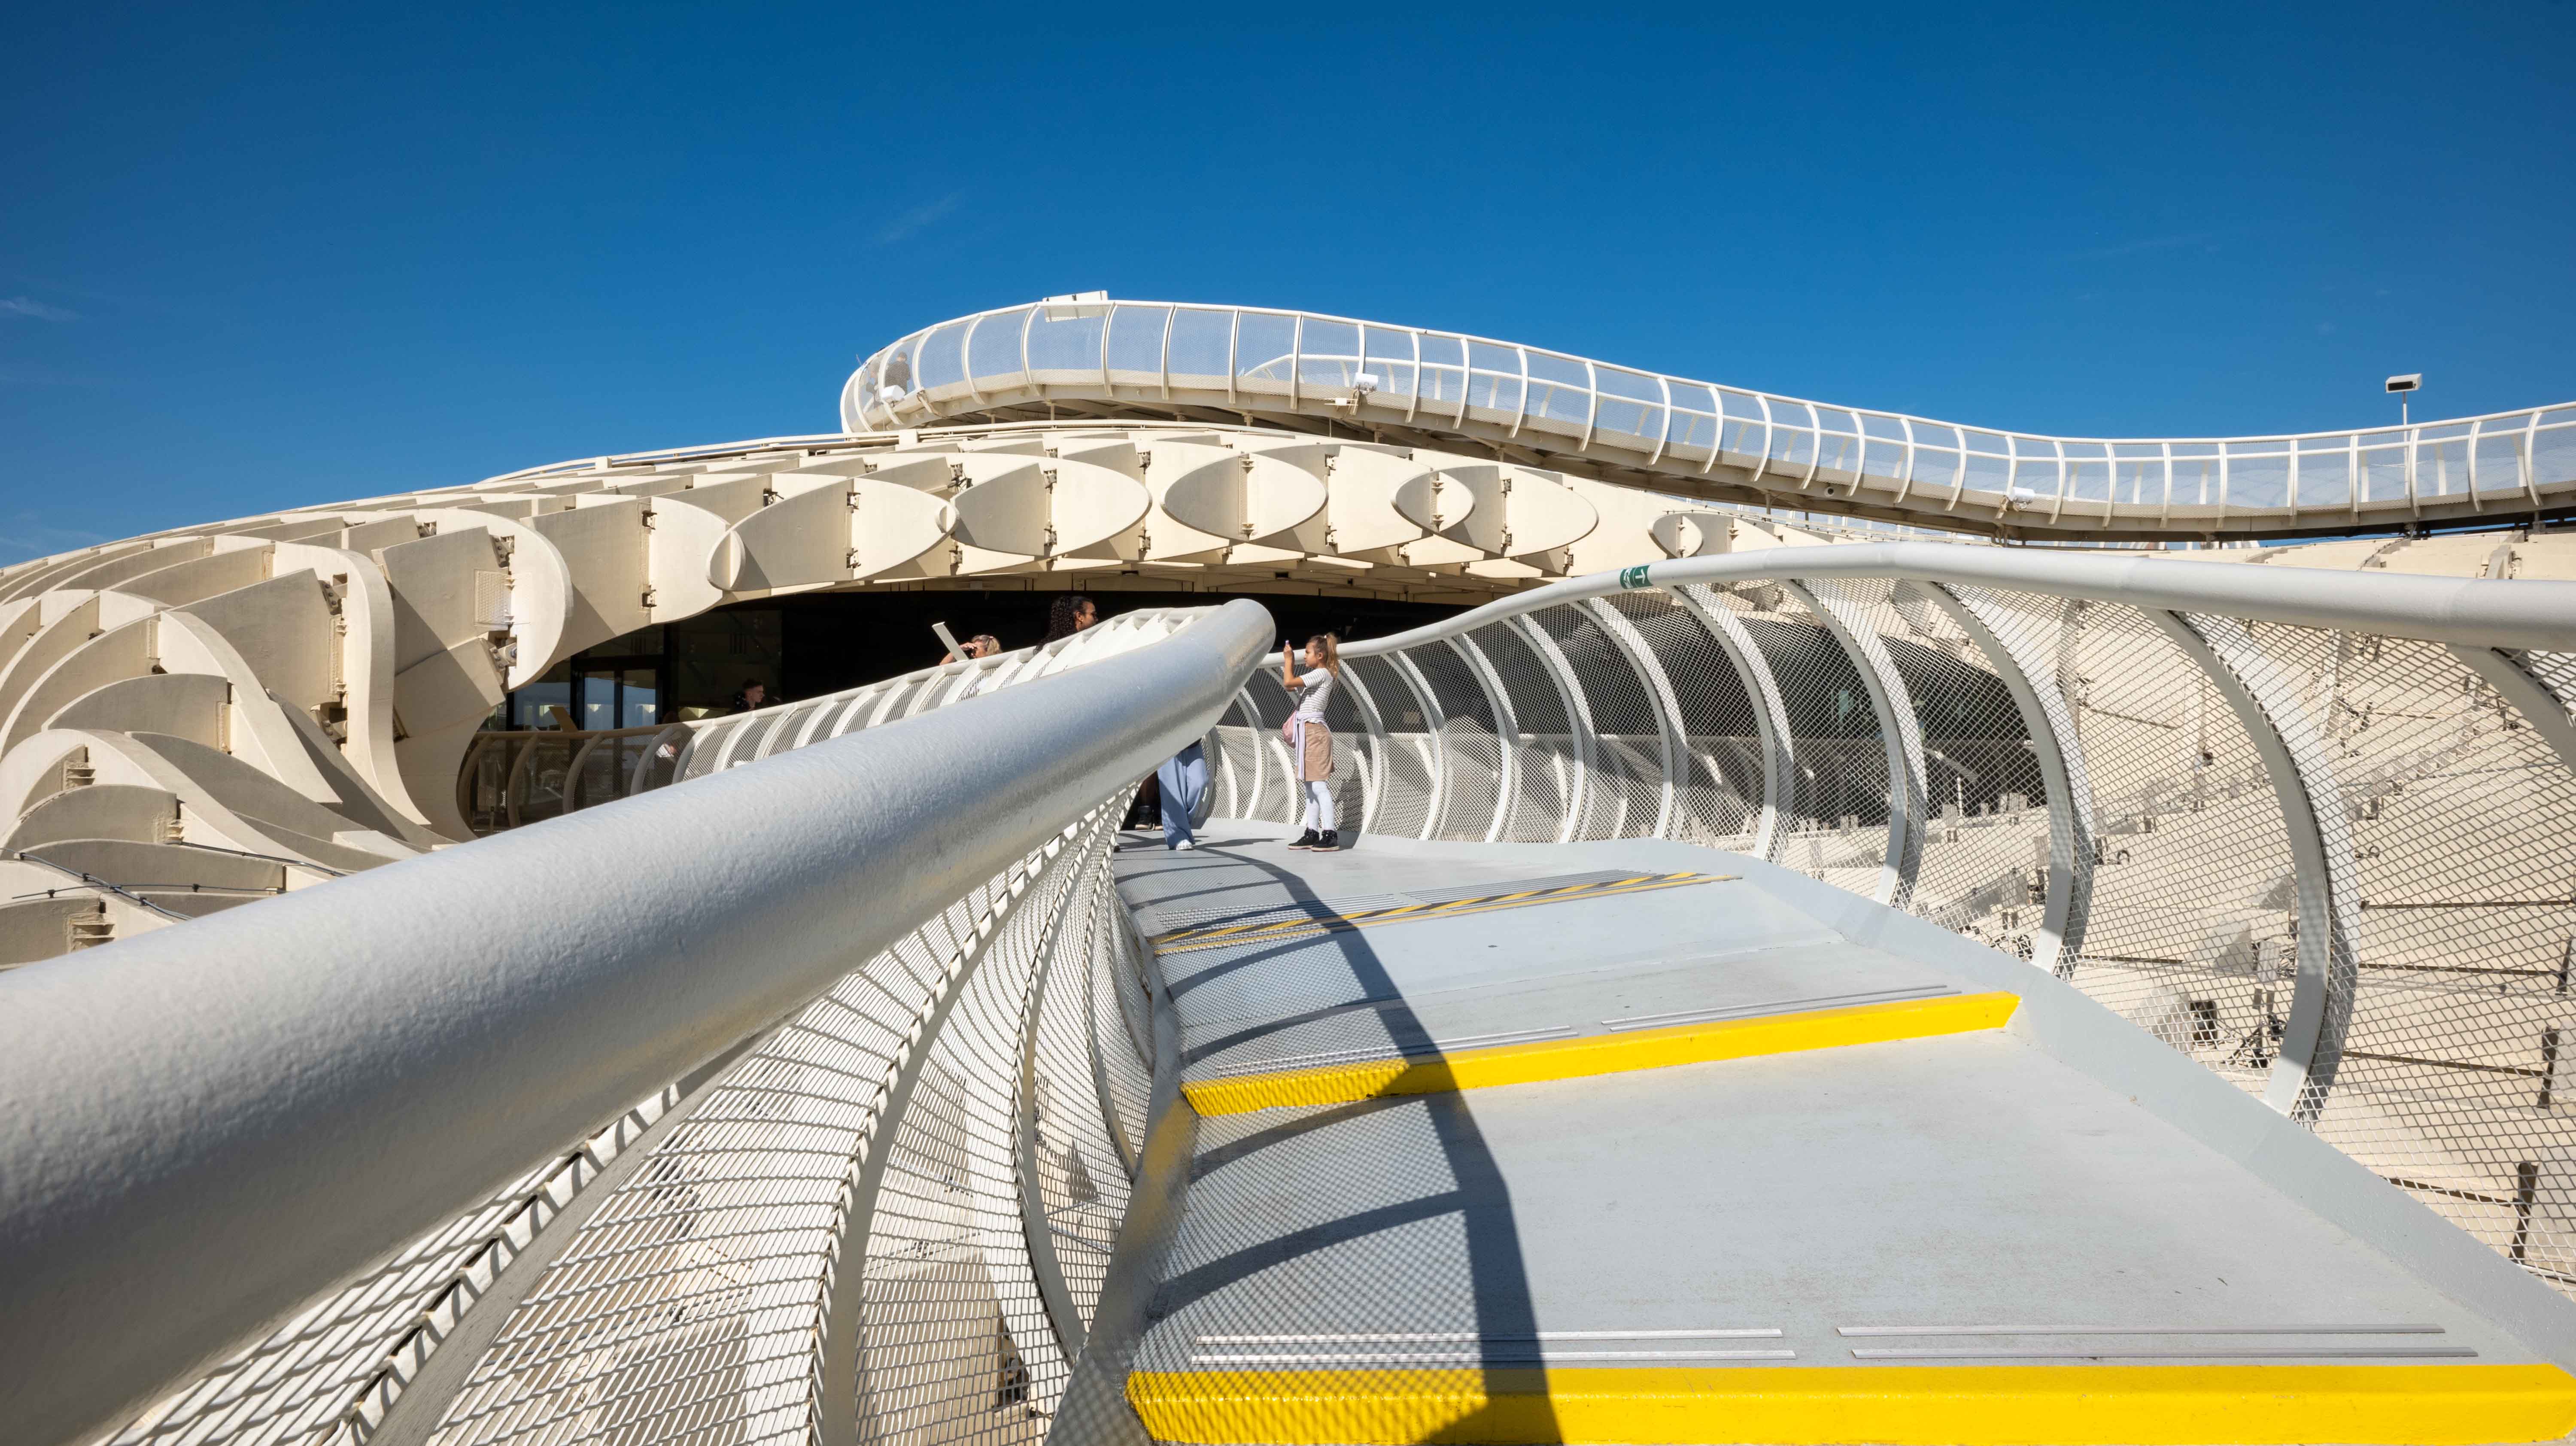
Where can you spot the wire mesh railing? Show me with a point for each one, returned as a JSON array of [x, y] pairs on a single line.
[[1141, 355], [2336, 865], [889, 1216]]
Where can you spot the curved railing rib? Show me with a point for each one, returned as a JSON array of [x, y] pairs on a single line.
[[1167, 360], [2314, 830]]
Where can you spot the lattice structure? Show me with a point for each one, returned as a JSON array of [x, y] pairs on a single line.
[[2338, 868], [962, 1114]]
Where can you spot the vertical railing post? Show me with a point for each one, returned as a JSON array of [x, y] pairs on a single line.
[[1435, 727], [1898, 730], [1668, 709], [1507, 733], [2029, 673], [1578, 721], [2295, 751], [1770, 715]]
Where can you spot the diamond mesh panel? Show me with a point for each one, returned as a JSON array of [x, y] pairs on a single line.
[[1719, 793], [1985, 847], [1081, 1176], [689, 1308], [2464, 836], [2193, 891], [1837, 831], [1404, 809], [1468, 734], [1281, 799], [1543, 756], [1354, 762], [1235, 764], [343, 1361], [1625, 790]]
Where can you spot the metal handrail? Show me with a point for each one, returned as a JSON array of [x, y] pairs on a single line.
[[2472, 612], [1678, 429], [451, 1017]]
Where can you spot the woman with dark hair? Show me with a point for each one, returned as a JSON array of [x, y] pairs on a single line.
[[1070, 613]]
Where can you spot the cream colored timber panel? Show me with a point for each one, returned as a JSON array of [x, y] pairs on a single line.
[[305, 685]]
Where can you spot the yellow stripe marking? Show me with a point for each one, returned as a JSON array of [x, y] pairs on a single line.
[[1182, 941], [1930, 1405], [1547, 1059]]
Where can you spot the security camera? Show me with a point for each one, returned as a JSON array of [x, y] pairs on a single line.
[[2406, 383], [1364, 383]]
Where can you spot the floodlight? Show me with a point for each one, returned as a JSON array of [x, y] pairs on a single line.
[[2406, 383]]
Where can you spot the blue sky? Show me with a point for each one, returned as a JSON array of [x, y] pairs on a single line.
[[253, 258]]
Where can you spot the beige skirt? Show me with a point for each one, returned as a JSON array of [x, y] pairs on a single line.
[[1313, 744]]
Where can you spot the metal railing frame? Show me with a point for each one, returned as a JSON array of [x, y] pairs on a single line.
[[2199, 607], [450, 1020], [1876, 454]]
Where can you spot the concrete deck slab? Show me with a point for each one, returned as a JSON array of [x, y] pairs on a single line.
[[1734, 1215]]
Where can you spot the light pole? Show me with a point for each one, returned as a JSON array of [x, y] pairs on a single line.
[[2401, 386]]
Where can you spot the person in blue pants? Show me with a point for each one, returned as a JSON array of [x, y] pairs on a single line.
[[1183, 777]]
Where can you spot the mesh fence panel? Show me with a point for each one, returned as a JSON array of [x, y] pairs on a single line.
[[1985, 846], [2194, 887], [1838, 809], [1624, 791], [2464, 842], [342, 1363], [1404, 806], [1236, 764], [1469, 740], [1543, 749], [1281, 798], [1719, 791]]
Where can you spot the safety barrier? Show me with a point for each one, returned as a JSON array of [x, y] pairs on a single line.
[[867, 1034], [1094, 356], [2318, 832], [816, 1115]]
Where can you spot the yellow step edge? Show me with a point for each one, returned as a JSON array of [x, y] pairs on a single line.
[[1509, 1064], [1811, 1405]]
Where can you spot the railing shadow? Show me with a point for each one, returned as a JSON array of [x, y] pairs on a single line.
[[1445, 1314]]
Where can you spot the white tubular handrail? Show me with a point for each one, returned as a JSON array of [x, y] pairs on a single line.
[[1175, 360], [201, 1129], [2473, 612]]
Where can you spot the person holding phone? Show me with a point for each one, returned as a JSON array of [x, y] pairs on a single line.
[[1310, 741]]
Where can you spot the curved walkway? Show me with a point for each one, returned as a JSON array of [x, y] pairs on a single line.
[[1996, 1214], [1154, 360]]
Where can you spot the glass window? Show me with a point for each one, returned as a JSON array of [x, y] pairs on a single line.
[[639, 698]]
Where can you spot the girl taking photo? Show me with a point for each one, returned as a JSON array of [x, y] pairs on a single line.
[[1310, 742]]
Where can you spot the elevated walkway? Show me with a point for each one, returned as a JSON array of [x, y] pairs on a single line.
[[1653, 1143]]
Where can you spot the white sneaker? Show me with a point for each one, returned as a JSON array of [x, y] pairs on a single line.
[[1186, 845]]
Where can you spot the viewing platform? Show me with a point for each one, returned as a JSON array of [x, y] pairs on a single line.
[[1643, 1142]]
